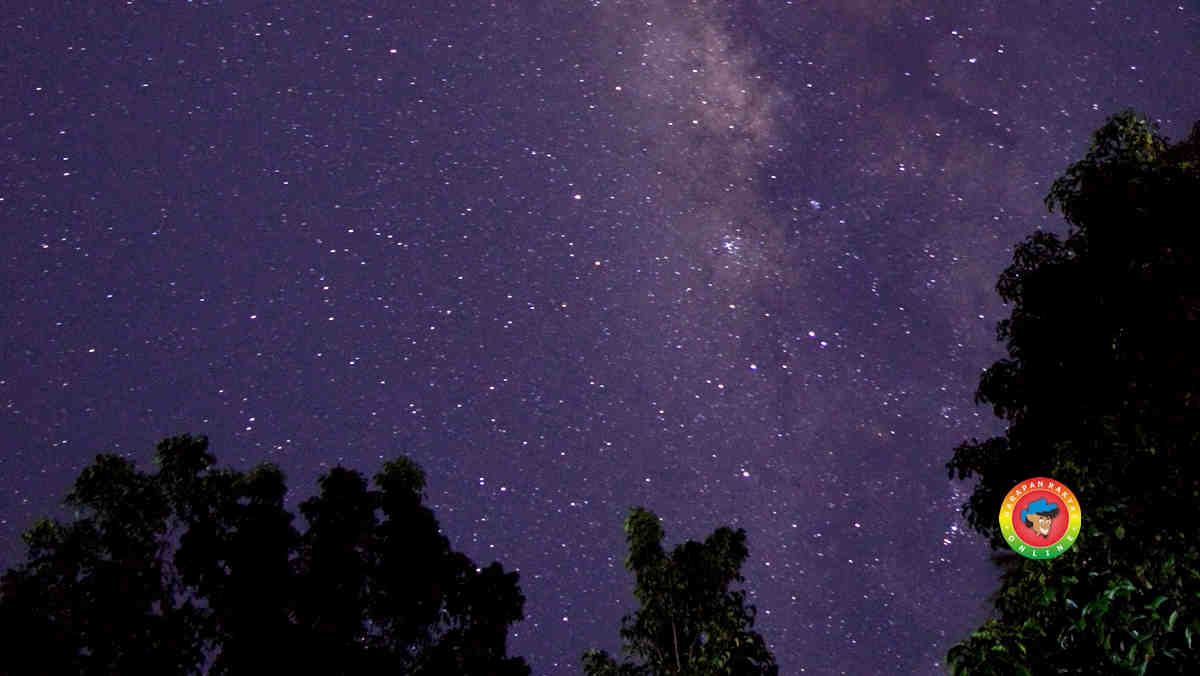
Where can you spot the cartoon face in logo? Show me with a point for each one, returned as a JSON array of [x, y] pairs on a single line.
[[1038, 516]]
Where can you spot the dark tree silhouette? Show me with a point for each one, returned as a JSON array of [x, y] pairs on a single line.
[[689, 621], [194, 567], [1100, 392]]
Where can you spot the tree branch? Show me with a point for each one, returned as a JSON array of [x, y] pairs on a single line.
[[675, 638]]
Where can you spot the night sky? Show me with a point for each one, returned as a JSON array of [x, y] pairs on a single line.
[[734, 262]]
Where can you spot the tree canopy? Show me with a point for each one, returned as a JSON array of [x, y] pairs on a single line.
[[689, 621], [191, 565], [1100, 392]]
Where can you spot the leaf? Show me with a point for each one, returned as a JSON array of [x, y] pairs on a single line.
[[1156, 603], [1099, 606], [1171, 620], [1118, 587]]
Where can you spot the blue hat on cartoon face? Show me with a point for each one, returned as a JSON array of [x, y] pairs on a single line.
[[1039, 507]]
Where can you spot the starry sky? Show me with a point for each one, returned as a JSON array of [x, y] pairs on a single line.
[[733, 261]]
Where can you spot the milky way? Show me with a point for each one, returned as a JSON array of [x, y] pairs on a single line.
[[707, 125]]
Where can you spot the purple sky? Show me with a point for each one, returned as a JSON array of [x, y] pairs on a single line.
[[731, 261]]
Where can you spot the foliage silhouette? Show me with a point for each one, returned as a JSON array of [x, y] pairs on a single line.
[[1100, 392], [689, 622], [194, 567]]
